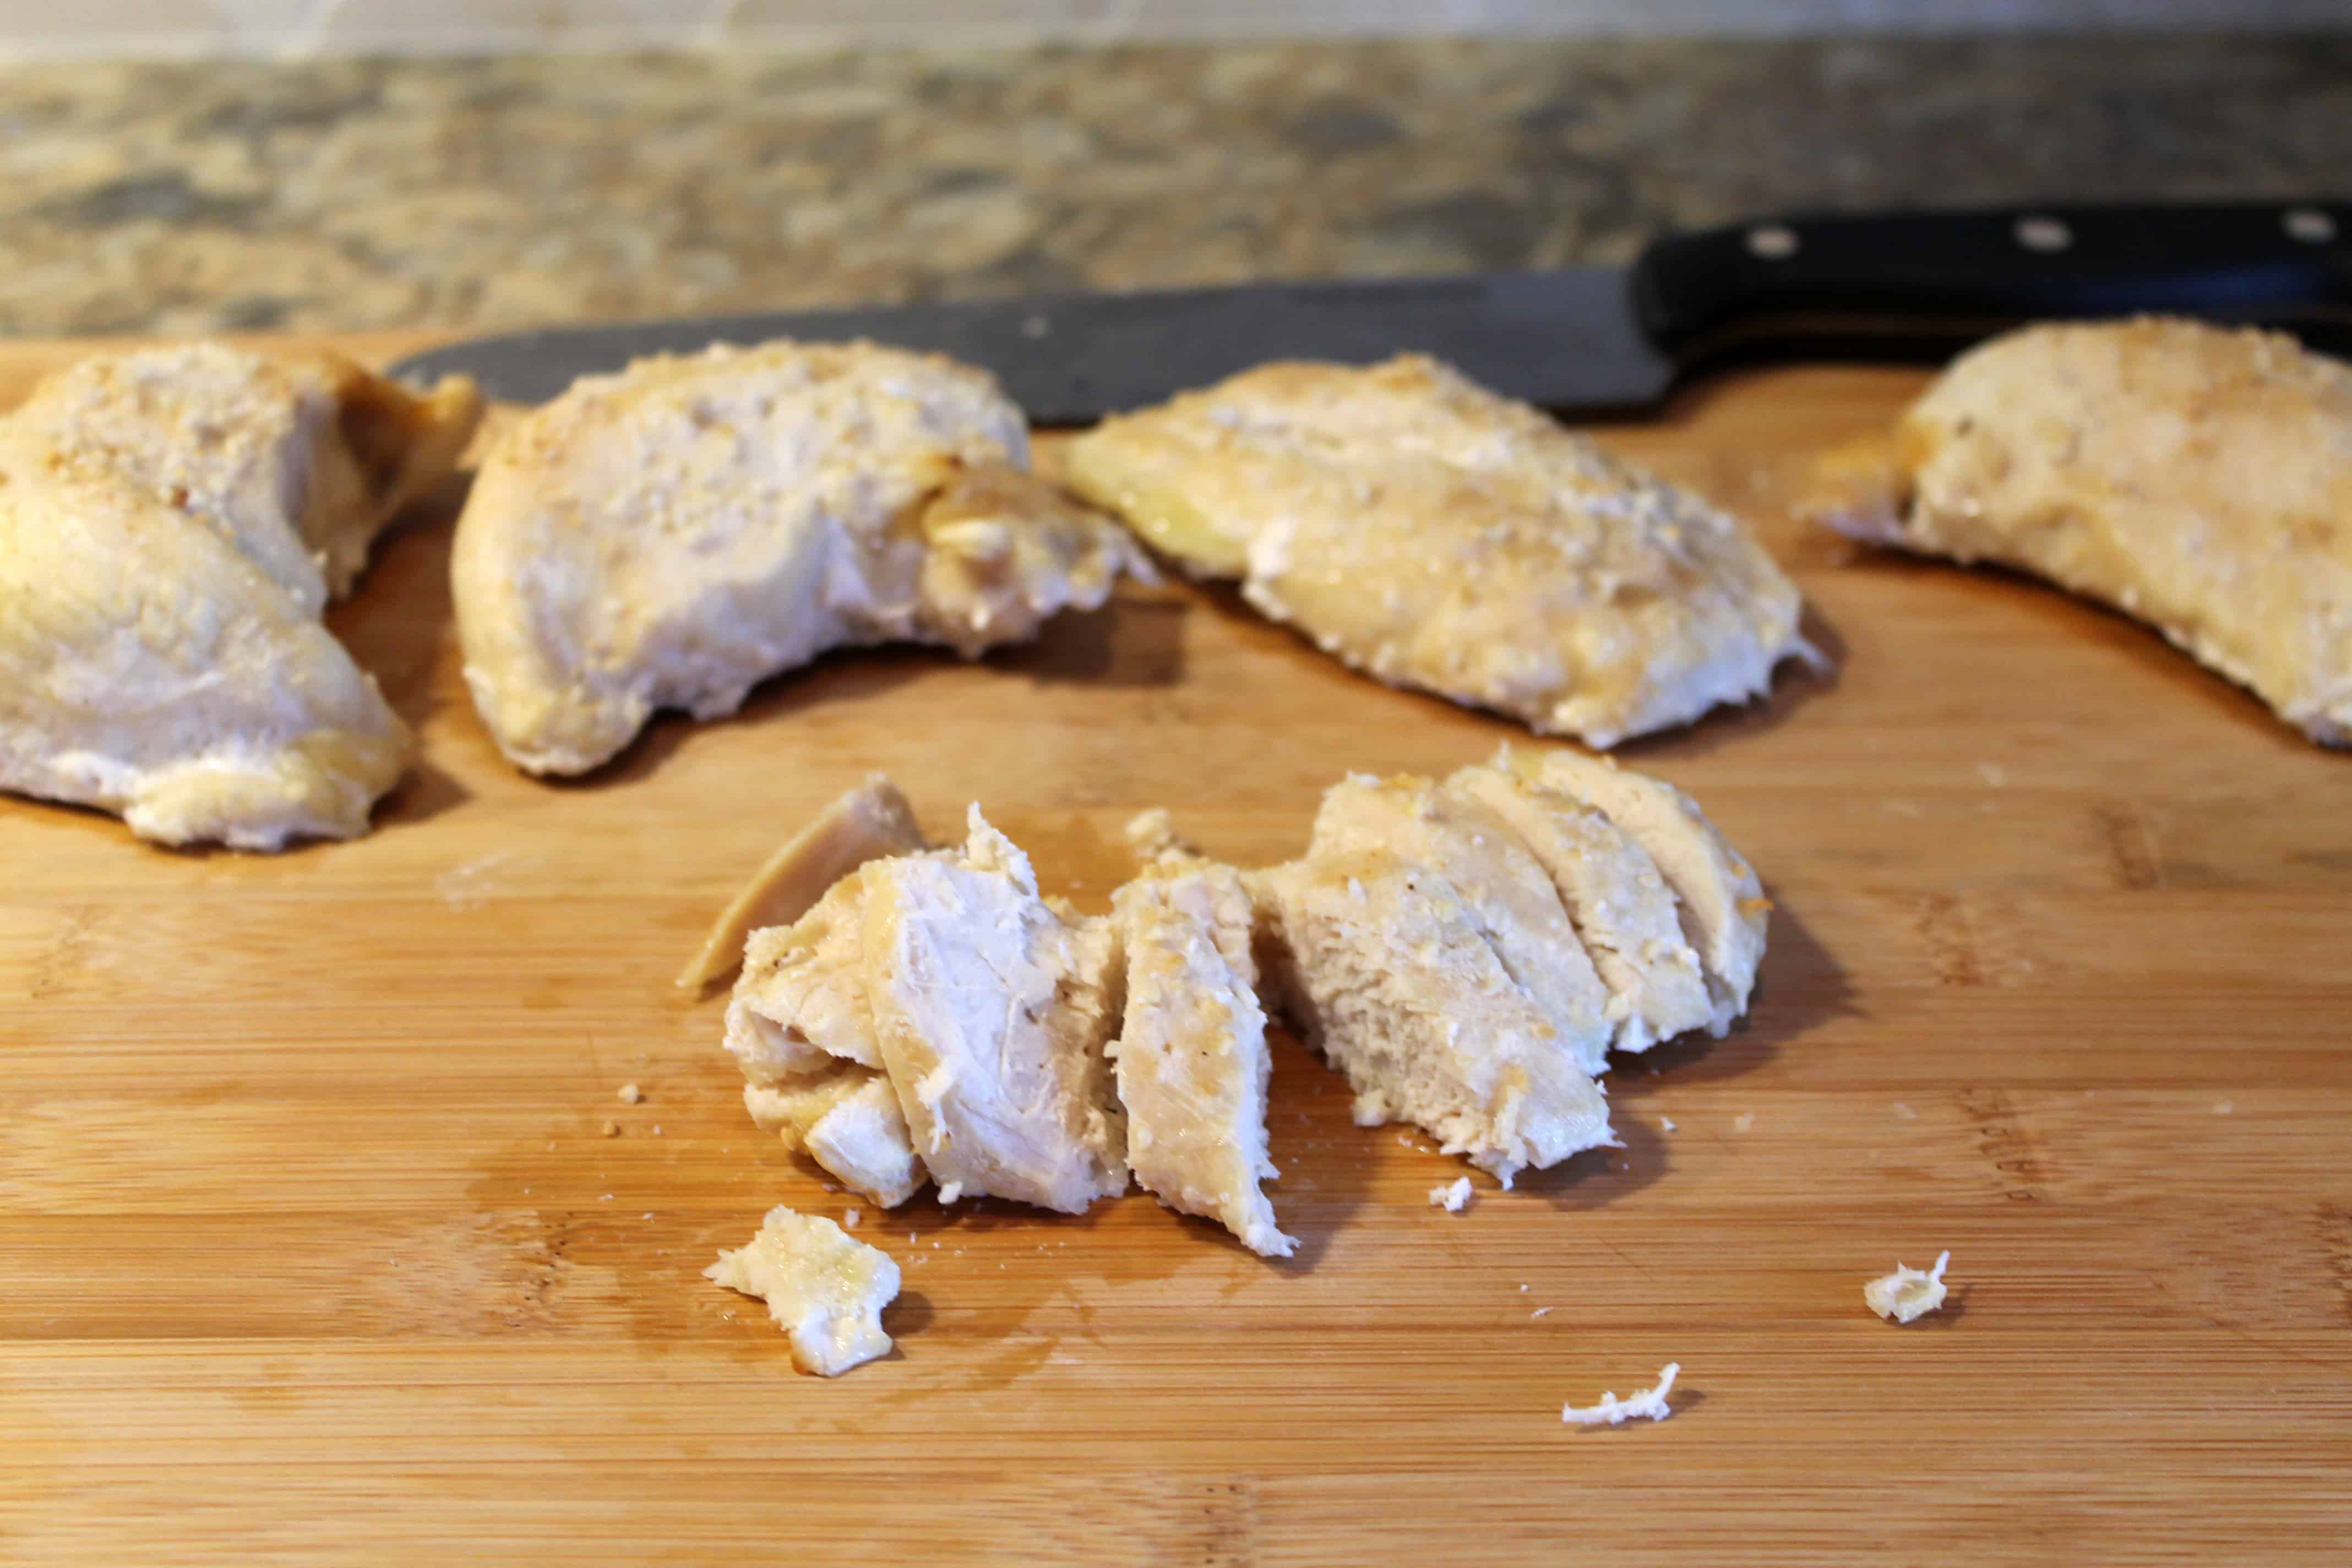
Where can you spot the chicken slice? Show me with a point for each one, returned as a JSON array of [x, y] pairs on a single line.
[[1457, 840], [863, 1139], [1440, 536], [993, 1011], [801, 1003], [790, 1107], [2191, 476], [171, 522], [1388, 971], [825, 1290], [671, 535], [1192, 1055], [1723, 908], [1622, 908], [864, 824], [801, 1026]]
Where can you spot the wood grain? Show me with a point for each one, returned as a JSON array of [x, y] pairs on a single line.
[[315, 1251]]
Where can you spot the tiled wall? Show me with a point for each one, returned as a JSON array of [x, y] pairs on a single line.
[[49, 29]]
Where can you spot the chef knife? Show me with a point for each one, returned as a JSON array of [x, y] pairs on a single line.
[[1589, 340]]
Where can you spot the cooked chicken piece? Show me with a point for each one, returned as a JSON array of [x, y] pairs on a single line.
[[801, 1003], [1621, 907], [1456, 839], [1192, 1052], [1723, 908], [1452, 1196], [1443, 537], [864, 823], [993, 1011], [801, 1026], [295, 461], [1388, 970], [863, 1140], [790, 1107], [170, 524], [1909, 1293], [1153, 835], [669, 536], [2197, 477], [825, 1291]]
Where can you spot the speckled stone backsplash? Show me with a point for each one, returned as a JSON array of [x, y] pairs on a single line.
[[493, 193]]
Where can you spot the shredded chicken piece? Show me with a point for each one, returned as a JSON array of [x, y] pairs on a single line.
[[1612, 1411], [1907, 1293]]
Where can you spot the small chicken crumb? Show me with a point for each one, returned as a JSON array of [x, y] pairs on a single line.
[[1667, 1122], [612, 1128], [850, 1219], [1614, 1412], [1454, 1197], [631, 1094], [1743, 1122], [1540, 1313], [1152, 835], [1907, 1293]]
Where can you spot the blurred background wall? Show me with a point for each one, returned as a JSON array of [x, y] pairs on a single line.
[[39, 29]]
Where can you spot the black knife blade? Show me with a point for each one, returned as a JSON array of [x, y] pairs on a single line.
[[1584, 340]]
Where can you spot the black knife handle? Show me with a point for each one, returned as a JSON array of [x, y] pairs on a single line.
[[2254, 260]]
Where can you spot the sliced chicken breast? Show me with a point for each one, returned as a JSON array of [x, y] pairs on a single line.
[[993, 1011], [1456, 840], [1723, 908], [1193, 1063], [1388, 971], [1622, 908], [866, 822]]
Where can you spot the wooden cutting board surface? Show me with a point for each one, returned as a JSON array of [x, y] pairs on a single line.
[[315, 1244]]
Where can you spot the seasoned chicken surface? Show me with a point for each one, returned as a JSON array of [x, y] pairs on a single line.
[[866, 822], [296, 461], [993, 1010], [1191, 1055], [671, 535], [172, 522], [2197, 477], [824, 1289], [1440, 536]]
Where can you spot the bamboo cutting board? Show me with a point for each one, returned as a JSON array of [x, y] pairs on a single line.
[[316, 1247]]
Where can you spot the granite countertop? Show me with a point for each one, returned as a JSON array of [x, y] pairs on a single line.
[[489, 193]]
